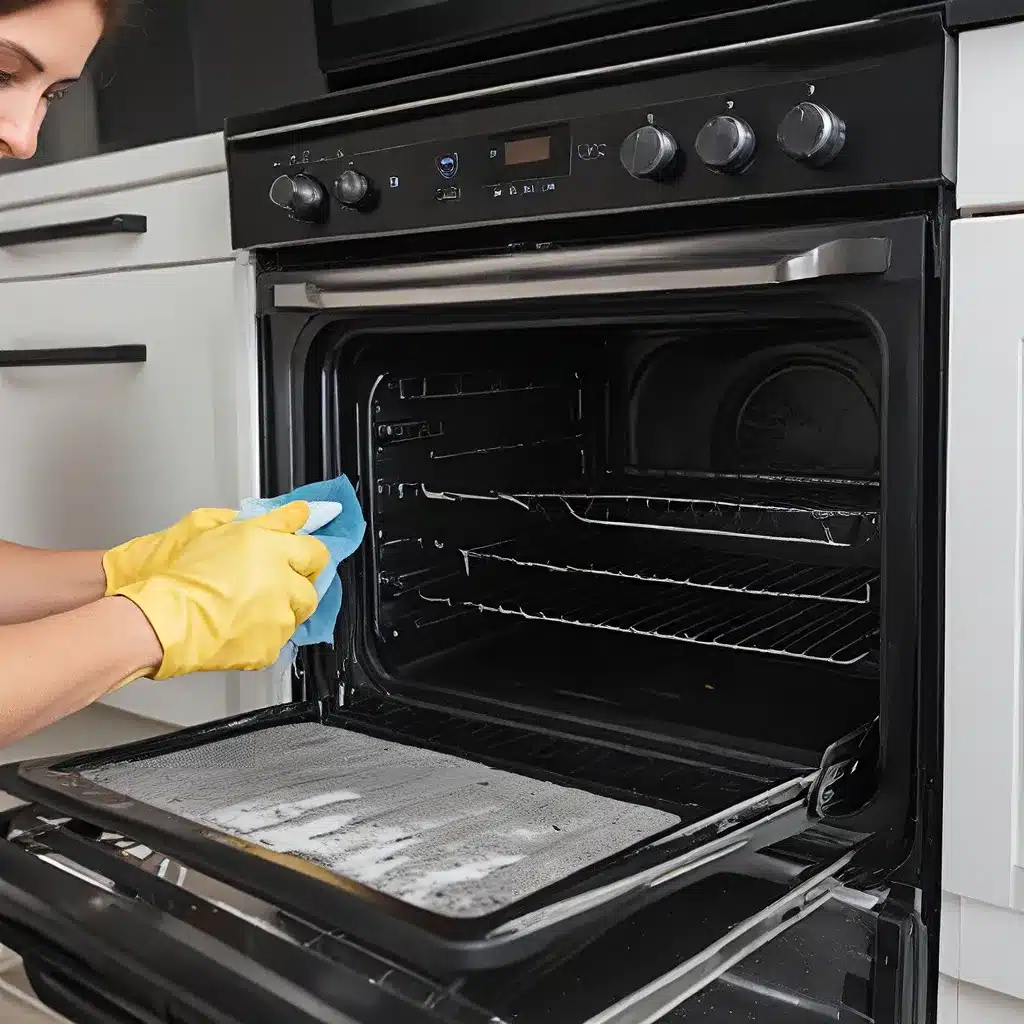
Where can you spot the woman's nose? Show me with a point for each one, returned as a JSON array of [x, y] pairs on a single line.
[[19, 129]]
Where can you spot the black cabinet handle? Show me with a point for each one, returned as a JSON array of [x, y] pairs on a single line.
[[118, 224], [72, 356]]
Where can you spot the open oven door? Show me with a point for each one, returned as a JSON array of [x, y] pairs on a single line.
[[126, 934], [741, 865]]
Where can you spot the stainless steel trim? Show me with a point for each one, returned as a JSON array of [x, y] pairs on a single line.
[[654, 1001], [530, 83], [609, 270]]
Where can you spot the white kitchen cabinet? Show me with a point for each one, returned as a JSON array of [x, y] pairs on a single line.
[[990, 150], [185, 221], [983, 792], [95, 454], [960, 1003]]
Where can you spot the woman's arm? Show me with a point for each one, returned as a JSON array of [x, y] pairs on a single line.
[[56, 666], [36, 583]]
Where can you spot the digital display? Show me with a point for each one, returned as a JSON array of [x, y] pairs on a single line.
[[540, 151], [527, 151]]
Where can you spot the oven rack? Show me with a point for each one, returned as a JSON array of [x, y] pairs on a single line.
[[839, 634], [732, 517], [699, 570]]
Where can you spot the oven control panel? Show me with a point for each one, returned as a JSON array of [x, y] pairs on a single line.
[[698, 138]]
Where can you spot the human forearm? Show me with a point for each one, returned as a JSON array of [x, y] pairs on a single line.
[[56, 666], [35, 583]]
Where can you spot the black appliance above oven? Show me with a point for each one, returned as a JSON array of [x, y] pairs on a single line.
[[384, 40], [633, 710]]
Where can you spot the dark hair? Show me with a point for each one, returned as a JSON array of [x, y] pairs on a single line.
[[113, 10]]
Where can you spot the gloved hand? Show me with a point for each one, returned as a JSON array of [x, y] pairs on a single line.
[[143, 557], [235, 595]]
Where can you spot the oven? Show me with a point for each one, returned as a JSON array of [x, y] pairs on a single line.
[[632, 710]]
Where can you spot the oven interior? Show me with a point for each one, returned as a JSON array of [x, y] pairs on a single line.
[[665, 526]]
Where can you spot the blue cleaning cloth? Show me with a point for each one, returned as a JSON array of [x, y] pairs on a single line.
[[334, 518]]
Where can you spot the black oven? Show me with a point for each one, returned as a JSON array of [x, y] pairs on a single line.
[[632, 709], [386, 40]]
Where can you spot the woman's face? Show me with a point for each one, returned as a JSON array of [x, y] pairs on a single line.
[[43, 50]]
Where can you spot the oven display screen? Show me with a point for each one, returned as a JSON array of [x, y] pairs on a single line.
[[530, 153], [527, 151]]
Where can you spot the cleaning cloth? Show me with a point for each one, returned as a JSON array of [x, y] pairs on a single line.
[[334, 518]]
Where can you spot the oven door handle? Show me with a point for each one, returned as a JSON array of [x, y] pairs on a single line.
[[611, 270]]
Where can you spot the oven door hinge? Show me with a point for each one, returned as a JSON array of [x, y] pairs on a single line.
[[848, 776]]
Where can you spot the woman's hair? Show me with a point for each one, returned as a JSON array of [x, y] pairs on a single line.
[[113, 10]]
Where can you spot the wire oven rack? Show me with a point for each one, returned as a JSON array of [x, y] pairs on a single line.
[[836, 633], [699, 570], [813, 523]]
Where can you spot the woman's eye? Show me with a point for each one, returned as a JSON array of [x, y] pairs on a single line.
[[5, 78]]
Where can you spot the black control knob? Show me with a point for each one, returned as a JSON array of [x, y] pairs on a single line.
[[302, 196], [353, 189], [726, 144], [649, 152], [812, 134]]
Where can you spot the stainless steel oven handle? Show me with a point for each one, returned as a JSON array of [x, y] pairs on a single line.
[[609, 270]]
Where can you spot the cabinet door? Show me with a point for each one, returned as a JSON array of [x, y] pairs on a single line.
[[95, 454], [983, 807]]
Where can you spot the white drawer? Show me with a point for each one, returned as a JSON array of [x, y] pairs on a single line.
[[171, 222], [990, 148], [101, 446]]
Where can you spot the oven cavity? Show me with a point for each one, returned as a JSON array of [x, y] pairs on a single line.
[[644, 517]]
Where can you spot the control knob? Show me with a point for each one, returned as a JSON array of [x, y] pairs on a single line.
[[811, 134], [302, 196], [726, 144], [353, 189], [649, 152]]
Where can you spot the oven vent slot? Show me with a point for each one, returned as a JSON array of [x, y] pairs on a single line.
[[689, 568], [837, 633]]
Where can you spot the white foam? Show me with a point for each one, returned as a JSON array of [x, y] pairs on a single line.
[[446, 834]]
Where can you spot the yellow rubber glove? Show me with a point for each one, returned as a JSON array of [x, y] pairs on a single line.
[[234, 597], [145, 556]]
